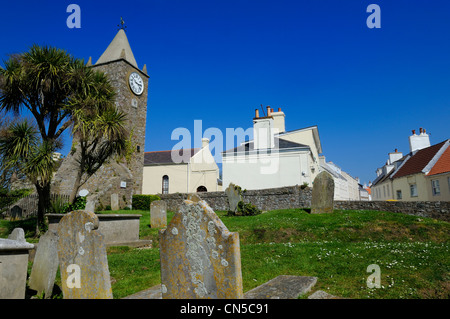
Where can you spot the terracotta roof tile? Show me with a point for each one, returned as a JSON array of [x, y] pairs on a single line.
[[418, 161], [442, 165]]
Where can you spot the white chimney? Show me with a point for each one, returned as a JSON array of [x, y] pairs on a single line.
[[263, 132], [205, 142], [418, 142], [279, 120], [393, 157]]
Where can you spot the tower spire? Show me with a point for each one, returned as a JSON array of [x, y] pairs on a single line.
[[122, 25]]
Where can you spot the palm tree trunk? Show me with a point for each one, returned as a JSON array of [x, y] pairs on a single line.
[[76, 186], [43, 204]]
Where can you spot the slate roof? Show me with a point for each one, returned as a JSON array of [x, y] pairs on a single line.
[[165, 157], [250, 146], [418, 161]]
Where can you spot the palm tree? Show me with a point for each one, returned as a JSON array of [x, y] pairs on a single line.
[[23, 149], [99, 129], [47, 82]]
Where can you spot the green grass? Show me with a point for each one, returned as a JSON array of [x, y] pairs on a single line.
[[412, 252]]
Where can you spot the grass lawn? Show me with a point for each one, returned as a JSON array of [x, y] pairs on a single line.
[[412, 252]]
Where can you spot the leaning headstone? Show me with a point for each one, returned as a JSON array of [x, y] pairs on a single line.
[[199, 257], [13, 266], [45, 265], [323, 194], [158, 214], [115, 202], [82, 257], [234, 197]]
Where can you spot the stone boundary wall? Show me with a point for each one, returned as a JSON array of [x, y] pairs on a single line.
[[436, 210], [296, 197], [265, 199]]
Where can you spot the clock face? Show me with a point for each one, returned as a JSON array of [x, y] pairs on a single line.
[[136, 83]]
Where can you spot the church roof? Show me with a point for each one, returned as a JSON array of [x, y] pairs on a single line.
[[165, 157], [118, 49]]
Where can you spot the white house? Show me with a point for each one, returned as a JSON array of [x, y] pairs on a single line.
[[421, 175], [180, 171], [275, 158], [346, 187]]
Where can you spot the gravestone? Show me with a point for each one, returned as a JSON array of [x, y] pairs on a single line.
[[13, 266], [323, 194], [45, 264], [199, 257], [115, 202], [283, 287], [82, 257], [158, 214], [17, 234], [234, 197]]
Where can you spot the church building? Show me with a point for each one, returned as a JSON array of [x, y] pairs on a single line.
[[131, 84]]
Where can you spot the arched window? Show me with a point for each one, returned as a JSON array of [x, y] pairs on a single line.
[[165, 184], [202, 189]]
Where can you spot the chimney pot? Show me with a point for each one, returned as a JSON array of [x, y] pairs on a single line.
[[268, 111], [414, 132], [421, 130], [279, 109], [257, 113]]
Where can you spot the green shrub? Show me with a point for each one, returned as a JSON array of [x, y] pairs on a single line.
[[245, 209], [58, 206], [142, 202]]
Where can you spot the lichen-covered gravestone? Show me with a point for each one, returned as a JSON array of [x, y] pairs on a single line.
[[82, 257], [158, 214], [323, 194], [45, 264], [234, 197], [199, 257]]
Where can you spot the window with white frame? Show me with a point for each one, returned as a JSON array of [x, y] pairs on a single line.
[[413, 190], [436, 190], [165, 184]]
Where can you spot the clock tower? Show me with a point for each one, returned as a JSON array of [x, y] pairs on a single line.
[[123, 178]]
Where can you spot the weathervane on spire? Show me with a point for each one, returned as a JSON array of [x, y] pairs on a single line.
[[122, 24]]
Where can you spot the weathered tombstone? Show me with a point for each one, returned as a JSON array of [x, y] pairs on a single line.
[[45, 265], [17, 234], [13, 266], [158, 214], [323, 194], [234, 197], [199, 257], [82, 257], [115, 202]]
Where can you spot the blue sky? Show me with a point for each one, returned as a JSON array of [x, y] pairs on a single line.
[[217, 61]]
